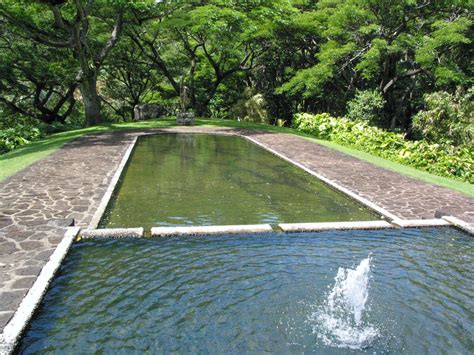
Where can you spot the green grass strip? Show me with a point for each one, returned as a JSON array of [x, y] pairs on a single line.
[[18, 159]]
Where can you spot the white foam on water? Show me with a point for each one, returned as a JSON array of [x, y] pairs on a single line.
[[339, 321]]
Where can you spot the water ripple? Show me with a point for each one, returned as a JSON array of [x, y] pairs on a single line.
[[247, 294]]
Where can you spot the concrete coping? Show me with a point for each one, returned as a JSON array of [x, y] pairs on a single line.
[[13, 330], [435, 222], [314, 227], [112, 233], [207, 230], [285, 227], [345, 191], [466, 227], [113, 183]]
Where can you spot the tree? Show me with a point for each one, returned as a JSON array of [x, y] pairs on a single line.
[[403, 48], [202, 45], [34, 82], [312, 56], [129, 79], [77, 26]]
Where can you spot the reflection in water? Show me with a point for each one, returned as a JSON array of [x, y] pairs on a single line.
[[199, 179]]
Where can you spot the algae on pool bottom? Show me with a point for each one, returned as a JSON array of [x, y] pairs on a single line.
[[204, 179]]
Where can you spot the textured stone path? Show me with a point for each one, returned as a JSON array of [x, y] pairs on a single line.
[[401, 195], [39, 202], [36, 203]]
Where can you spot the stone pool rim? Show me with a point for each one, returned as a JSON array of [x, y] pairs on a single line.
[[14, 329]]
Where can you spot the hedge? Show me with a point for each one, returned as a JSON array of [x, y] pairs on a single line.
[[439, 159]]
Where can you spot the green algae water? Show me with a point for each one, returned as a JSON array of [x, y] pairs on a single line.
[[202, 179], [408, 291]]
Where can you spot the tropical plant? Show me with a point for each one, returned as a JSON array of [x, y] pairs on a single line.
[[448, 118], [441, 159], [367, 106]]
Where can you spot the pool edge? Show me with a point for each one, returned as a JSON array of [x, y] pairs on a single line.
[[328, 226], [113, 183], [15, 327], [210, 230], [345, 191]]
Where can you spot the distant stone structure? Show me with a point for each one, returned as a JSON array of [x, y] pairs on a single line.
[[185, 118], [147, 111]]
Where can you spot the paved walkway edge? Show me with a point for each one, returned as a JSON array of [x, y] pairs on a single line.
[[110, 189], [333, 184], [13, 330]]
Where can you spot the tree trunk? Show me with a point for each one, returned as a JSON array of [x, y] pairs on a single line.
[[91, 99], [135, 102], [201, 109]]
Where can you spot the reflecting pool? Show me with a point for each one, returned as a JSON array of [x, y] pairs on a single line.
[[203, 179]]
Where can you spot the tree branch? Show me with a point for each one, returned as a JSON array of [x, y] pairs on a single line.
[[116, 32], [59, 20], [395, 79], [34, 32]]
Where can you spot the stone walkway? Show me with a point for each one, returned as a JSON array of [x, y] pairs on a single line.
[[401, 195], [39, 202]]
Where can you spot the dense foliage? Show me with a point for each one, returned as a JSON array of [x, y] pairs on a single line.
[[20, 134], [448, 118], [441, 159], [402, 65]]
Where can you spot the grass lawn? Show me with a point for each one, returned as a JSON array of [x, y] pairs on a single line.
[[20, 158]]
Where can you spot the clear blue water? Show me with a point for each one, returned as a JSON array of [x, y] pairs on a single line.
[[258, 293]]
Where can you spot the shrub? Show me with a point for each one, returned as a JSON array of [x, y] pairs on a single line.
[[448, 118], [440, 159], [10, 138], [216, 108], [252, 108], [366, 106]]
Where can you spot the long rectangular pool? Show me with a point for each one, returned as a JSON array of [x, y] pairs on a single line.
[[203, 179], [390, 291]]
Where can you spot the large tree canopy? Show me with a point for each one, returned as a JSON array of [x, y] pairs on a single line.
[[60, 58], [402, 48], [87, 30]]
